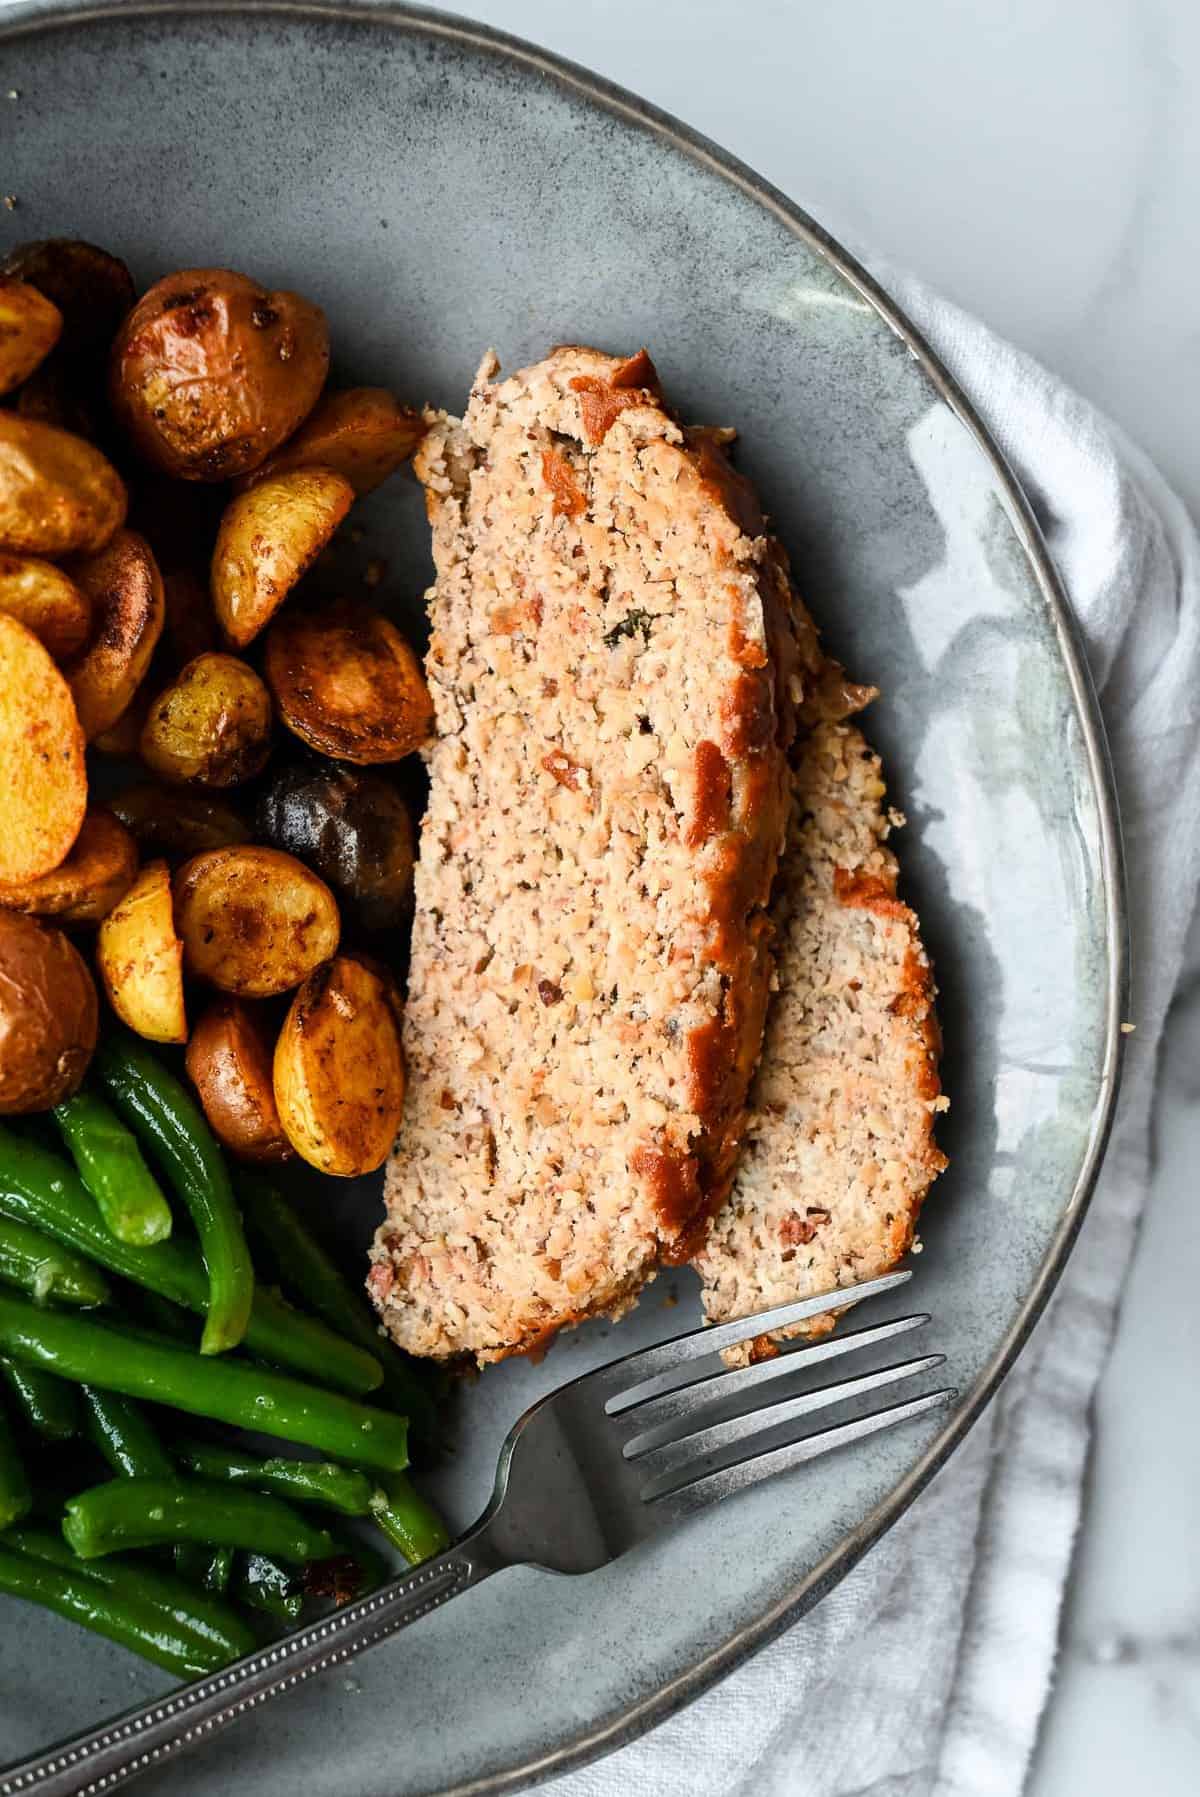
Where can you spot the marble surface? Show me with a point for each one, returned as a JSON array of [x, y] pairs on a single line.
[[1037, 161]]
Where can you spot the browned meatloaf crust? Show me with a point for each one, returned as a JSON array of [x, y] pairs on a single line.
[[615, 665], [840, 1152]]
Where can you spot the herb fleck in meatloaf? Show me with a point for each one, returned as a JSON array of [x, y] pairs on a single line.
[[840, 1150], [615, 664]]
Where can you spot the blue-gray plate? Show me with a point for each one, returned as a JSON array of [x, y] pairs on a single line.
[[438, 188]]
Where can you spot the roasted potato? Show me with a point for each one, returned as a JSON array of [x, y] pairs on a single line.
[[268, 538], [229, 1063], [47, 602], [58, 495], [141, 959], [48, 1015], [126, 593], [353, 827], [99, 871], [254, 921], [41, 758], [210, 372], [346, 682], [212, 725], [339, 1071], [191, 625], [91, 289], [30, 326], [363, 434], [178, 823]]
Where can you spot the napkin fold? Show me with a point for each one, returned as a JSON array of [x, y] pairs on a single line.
[[925, 1672]]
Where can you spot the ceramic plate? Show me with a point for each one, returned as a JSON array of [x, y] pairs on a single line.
[[439, 189]]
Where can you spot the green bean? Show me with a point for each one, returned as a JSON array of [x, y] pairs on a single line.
[[16, 1498], [131, 1513], [149, 1611], [303, 1481], [265, 1584], [227, 1391], [111, 1166], [209, 1567], [50, 1406], [311, 1276], [168, 1319], [39, 1189], [124, 1435], [168, 1119], [407, 1519], [45, 1269]]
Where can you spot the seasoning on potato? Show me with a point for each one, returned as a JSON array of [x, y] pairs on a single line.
[[140, 958], [91, 289], [345, 681], [210, 372], [48, 1015], [30, 326], [254, 921], [228, 1060], [47, 602], [339, 1071], [98, 872], [42, 770], [212, 725], [125, 589], [268, 538], [351, 825], [58, 495], [177, 822], [363, 434]]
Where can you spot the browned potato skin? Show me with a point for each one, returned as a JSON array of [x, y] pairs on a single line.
[[176, 822], [47, 602], [95, 876], [125, 589], [29, 328], [364, 434], [268, 538], [140, 958], [92, 290], [212, 725], [48, 1016], [254, 921], [41, 758], [339, 1070], [210, 372], [58, 495], [229, 1063], [191, 623], [345, 681]]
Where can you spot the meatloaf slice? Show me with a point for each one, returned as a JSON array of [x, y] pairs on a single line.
[[615, 665], [839, 1152]]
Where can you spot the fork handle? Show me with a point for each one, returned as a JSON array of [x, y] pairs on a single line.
[[96, 1762]]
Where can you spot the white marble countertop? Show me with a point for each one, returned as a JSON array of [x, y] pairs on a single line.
[[1038, 161]]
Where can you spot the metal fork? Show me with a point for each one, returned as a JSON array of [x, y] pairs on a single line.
[[588, 1472]]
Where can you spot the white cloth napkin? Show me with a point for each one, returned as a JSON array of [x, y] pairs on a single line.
[[925, 1672]]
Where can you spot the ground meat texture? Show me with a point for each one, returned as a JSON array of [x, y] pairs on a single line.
[[839, 1153], [616, 661]]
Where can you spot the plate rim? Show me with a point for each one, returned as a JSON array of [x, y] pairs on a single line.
[[30, 18]]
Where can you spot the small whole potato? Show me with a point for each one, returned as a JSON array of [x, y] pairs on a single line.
[[339, 1070], [212, 725], [47, 602], [345, 682], [95, 876], [363, 434], [58, 495], [210, 372], [353, 826], [254, 922], [229, 1063], [29, 328], [48, 1016], [125, 590], [92, 290], [177, 822], [268, 538]]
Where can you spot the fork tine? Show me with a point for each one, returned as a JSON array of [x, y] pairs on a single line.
[[654, 1368], [696, 1494], [647, 1414], [658, 1458]]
